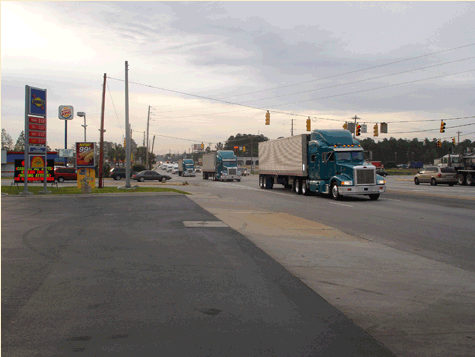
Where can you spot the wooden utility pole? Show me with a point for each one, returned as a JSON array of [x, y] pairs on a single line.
[[101, 155]]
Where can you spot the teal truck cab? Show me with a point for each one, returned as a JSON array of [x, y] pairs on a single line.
[[325, 161], [186, 167], [221, 165]]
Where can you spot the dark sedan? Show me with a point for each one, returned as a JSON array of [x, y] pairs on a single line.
[[381, 172], [150, 175]]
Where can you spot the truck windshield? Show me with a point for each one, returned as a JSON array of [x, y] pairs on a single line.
[[349, 156], [229, 163]]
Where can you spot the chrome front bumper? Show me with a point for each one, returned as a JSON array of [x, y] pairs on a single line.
[[361, 190]]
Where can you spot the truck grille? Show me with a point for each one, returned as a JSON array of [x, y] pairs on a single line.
[[232, 171], [365, 177]]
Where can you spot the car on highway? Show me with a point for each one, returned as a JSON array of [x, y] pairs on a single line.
[[65, 173], [198, 169], [381, 172], [436, 175], [243, 171], [150, 175], [175, 169], [118, 173]]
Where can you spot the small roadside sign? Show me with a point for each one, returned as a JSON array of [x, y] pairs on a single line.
[[66, 153]]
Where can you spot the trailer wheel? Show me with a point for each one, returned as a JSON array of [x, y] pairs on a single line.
[[298, 186], [461, 179], [334, 191], [261, 181], [469, 180]]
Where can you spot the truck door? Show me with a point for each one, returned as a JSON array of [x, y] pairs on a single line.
[[327, 165]]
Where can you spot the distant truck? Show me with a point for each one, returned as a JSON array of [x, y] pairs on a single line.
[[221, 165], [466, 170], [186, 167], [416, 165], [325, 161]]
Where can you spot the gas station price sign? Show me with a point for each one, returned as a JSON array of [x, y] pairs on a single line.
[[35, 172]]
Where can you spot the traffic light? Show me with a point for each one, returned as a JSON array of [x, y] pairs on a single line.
[[267, 118], [202, 146], [375, 130], [124, 143], [442, 126], [439, 144], [453, 141], [243, 149], [358, 130], [345, 126], [308, 124]]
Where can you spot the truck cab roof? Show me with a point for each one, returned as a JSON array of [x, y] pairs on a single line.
[[333, 137]]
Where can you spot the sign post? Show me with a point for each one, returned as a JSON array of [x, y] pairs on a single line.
[[66, 112], [85, 162]]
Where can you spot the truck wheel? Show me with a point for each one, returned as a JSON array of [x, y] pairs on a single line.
[[433, 182], [469, 180], [298, 186], [416, 181], [305, 189], [461, 179], [374, 196], [334, 191]]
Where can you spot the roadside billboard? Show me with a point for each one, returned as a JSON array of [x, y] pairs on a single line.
[[85, 155]]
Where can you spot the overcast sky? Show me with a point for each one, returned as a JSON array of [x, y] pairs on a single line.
[[295, 59]]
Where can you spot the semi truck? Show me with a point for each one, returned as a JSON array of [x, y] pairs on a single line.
[[328, 162], [221, 165], [466, 170], [186, 167]]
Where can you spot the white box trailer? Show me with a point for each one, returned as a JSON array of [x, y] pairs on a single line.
[[286, 156]]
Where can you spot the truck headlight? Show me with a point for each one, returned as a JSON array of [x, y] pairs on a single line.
[[346, 183], [381, 182]]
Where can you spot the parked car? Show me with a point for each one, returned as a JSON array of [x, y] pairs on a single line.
[[118, 173], [150, 175], [381, 172], [435, 175], [243, 171], [65, 173]]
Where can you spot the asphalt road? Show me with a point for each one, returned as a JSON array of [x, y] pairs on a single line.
[[125, 275]]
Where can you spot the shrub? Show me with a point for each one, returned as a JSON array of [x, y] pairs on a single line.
[[390, 165], [138, 168]]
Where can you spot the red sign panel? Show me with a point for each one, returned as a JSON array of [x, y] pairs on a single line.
[[41, 134], [37, 120], [85, 154], [36, 141], [37, 127]]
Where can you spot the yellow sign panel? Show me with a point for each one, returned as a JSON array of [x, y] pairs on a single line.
[[86, 177]]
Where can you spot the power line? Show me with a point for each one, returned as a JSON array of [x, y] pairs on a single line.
[[110, 94], [302, 101]]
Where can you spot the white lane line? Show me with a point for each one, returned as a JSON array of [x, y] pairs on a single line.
[[340, 204]]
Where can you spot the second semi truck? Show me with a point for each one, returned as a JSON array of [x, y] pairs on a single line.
[[221, 165], [325, 161]]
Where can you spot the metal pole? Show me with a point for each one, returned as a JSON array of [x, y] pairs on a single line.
[[84, 127], [127, 127], [292, 128], [25, 166], [45, 169], [66, 134], [101, 155], [153, 143], [146, 153]]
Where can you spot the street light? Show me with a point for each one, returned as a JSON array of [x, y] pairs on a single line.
[[83, 114]]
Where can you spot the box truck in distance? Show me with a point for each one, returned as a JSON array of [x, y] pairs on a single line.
[[325, 161]]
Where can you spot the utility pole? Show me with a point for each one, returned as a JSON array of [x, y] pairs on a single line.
[[292, 128], [127, 127], [458, 139], [146, 152], [153, 143], [101, 155], [354, 131]]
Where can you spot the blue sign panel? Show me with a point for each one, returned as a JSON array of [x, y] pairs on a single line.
[[37, 102]]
